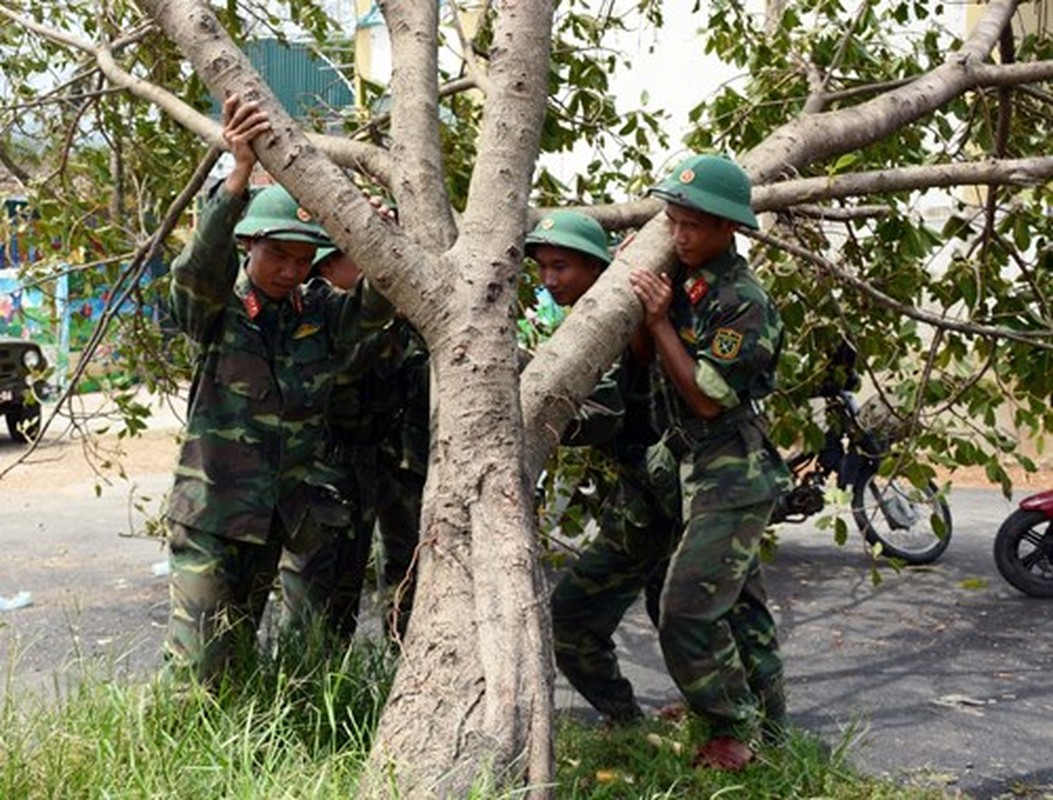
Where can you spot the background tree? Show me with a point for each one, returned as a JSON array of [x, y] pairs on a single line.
[[842, 125]]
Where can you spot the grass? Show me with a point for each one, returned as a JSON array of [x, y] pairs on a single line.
[[652, 759], [300, 725], [284, 727]]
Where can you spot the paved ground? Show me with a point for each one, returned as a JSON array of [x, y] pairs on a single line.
[[942, 674]]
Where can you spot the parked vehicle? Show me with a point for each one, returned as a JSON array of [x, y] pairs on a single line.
[[910, 524], [1023, 546], [22, 387]]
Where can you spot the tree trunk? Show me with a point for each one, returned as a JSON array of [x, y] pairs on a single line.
[[473, 694]]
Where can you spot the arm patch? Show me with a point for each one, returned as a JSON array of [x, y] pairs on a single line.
[[727, 342]]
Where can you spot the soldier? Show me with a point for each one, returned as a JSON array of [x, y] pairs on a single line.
[[250, 478], [718, 337], [402, 469], [326, 582], [378, 440], [393, 396], [639, 522]]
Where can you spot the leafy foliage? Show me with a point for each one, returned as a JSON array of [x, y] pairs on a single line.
[[983, 265], [104, 166]]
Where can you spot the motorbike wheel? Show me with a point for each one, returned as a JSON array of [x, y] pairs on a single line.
[[909, 523], [1023, 552]]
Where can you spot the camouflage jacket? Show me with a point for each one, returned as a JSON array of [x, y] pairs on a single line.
[[382, 400], [726, 320], [614, 417], [256, 422]]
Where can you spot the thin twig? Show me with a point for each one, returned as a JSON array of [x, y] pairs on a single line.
[[143, 256]]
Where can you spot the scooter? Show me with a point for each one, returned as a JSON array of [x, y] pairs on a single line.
[[908, 523], [1023, 546]]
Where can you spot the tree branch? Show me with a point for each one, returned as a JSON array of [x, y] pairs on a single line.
[[418, 182], [382, 249], [19, 174], [789, 194], [129, 277], [476, 71], [1019, 172], [882, 299], [512, 118], [814, 136], [366, 158]]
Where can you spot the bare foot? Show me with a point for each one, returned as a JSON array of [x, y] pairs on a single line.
[[723, 753]]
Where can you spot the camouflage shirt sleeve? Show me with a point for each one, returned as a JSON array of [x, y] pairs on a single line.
[[203, 273], [353, 316], [738, 337]]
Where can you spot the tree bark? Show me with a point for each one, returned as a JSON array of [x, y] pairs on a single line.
[[472, 700]]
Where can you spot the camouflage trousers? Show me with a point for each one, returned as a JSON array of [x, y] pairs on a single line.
[[328, 582], [398, 520], [639, 528], [325, 583], [218, 590], [717, 634]]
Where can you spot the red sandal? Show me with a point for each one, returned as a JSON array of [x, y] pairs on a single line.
[[723, 753]]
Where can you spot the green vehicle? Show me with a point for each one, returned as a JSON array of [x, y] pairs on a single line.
[[22, 387]]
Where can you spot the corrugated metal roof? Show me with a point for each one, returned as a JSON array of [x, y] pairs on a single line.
[[305, 82]]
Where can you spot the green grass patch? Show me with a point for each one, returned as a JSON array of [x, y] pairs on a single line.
[[293, 725], [299, 722], [653, 759]]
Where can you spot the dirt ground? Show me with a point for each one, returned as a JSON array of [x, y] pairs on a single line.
[[109, 458], [105, 459]]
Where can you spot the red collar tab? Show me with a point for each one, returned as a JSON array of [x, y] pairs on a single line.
[[252, 304], [297, 300], [697, 290]]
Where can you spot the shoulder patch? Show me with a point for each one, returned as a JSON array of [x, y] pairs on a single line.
[[726, 343]]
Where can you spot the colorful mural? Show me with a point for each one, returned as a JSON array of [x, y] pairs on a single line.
[[24, 312]]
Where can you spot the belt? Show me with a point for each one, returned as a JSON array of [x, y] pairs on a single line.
[[682, 436]]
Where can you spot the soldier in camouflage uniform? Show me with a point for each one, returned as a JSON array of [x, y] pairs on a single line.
[[640, 521], [390, 441], [718, 337], [378, 440], [250, 478], [402, 467]]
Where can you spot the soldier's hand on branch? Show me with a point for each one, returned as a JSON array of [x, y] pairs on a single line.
[[242, 122], [385, 211], [655, 293]]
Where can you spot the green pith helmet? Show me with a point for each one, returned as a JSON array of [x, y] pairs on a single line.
[[323, 254], [710, 183], [275, 214], [572, 230]]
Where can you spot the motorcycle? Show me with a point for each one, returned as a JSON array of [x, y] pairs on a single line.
[[1023, 546], [904, 522]]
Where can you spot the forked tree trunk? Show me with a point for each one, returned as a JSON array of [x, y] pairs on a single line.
[[472, 700]]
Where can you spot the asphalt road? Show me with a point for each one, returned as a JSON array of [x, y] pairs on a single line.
[[941, 675], [937, 676]]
